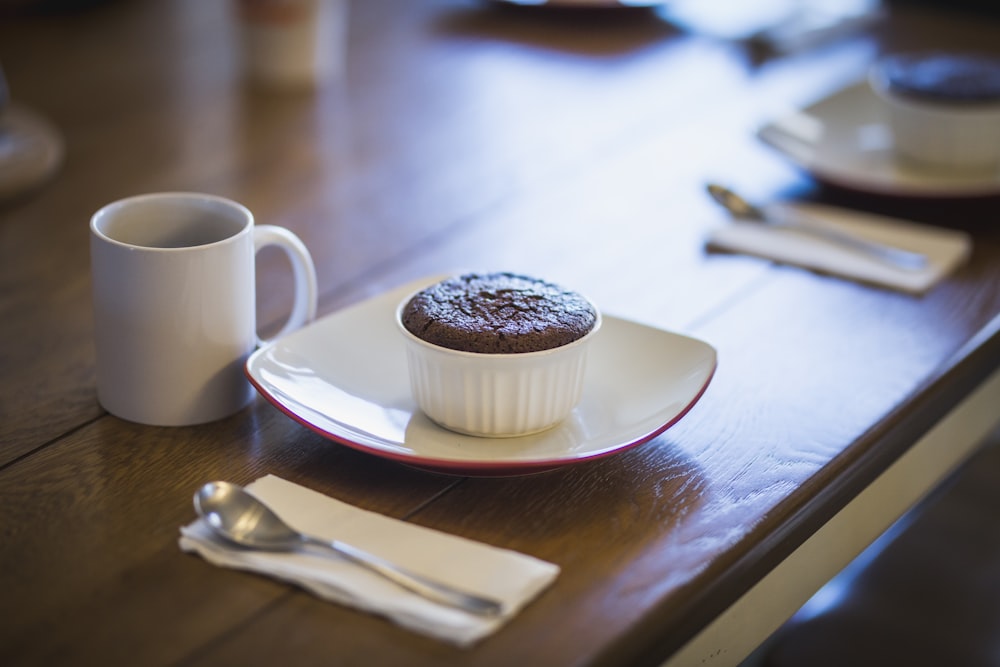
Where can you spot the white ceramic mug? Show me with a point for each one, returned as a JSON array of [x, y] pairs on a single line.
[[931, 129], [175, 304]]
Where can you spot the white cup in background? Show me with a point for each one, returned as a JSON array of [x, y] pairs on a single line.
[[943, 109], [292, 44], [175, 304]]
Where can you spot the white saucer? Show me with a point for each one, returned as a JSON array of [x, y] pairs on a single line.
[[844, 140], [345, 377]]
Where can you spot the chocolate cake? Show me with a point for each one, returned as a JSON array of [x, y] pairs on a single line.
[[498, 313], [943, 77]]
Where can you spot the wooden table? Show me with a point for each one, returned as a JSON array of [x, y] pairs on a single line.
[[570, 145]]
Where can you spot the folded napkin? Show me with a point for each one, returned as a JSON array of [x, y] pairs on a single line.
[[945, 248], [508, 576]]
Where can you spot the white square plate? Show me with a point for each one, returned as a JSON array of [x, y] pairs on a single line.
[[345, 377]]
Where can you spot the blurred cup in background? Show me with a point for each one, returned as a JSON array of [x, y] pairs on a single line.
[[943, 109], [292, 44]]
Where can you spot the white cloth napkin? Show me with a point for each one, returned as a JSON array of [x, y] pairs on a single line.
[[945, 248], [510, 577]]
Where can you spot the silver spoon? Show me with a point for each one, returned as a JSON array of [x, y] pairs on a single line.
[[241, 518], [744, 210]]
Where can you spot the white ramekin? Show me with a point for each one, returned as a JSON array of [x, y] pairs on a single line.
[[961, 136], [496, 395]]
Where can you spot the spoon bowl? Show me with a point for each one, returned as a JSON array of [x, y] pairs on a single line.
[[239, 517], [737, 206]]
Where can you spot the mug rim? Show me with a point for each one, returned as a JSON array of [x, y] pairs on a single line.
[[187, 196]]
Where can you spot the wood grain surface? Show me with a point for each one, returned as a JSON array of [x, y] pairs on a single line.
[[572, 145]]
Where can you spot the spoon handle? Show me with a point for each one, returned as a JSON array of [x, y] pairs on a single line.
[[898, 257], [428, 588]]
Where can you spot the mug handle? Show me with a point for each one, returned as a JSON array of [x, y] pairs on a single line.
[[304, 307]]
